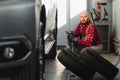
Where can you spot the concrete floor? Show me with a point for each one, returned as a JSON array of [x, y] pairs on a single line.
[[56, 71]]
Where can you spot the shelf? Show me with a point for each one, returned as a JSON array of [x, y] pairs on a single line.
[[104, 30]]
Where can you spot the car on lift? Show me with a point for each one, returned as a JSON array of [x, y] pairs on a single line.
[[28, 36]]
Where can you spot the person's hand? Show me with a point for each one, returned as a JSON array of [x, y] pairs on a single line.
[[70, 32]]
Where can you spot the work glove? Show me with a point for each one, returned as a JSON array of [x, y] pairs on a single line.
[[70, 37], [70, 32]]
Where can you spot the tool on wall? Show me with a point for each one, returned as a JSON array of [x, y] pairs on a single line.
[[98, 13], [105, 18], [97, 16], [98, 10], [104, 4], [91, 14]]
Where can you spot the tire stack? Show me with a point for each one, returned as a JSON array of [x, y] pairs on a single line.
[[85, 64]]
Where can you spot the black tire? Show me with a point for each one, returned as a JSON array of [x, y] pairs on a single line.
[[30, 71], [102, 66], [74, 64]]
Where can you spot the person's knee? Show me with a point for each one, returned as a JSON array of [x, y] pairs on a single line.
[[87, 50], [84, 50]]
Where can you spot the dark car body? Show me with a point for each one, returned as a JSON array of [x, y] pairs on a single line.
[[27, 37]]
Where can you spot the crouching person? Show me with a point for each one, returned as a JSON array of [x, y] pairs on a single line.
[[85, 36]]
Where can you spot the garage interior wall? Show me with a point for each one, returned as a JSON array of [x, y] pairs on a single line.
[[116, 19], [68, 17], [91, 4], [116, 25]]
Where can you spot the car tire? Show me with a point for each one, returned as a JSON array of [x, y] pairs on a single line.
[[30, 71], [102, 66], [75, 65]]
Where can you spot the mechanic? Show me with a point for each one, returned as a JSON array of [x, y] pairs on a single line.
[[85, 36]]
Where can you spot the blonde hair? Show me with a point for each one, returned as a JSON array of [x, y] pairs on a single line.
[[85, 12]]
